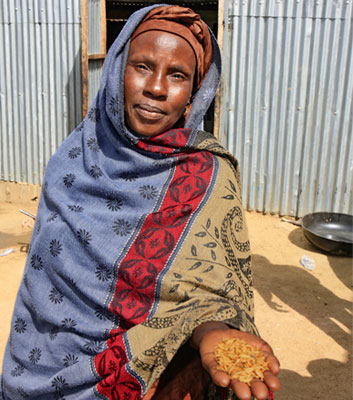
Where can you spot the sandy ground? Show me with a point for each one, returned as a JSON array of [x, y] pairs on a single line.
[[305, 315]]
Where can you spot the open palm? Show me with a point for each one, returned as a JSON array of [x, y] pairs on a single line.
[[257, 388]]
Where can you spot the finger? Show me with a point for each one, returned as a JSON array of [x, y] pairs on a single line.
[[211, 366], [273, 364], [272, 381], [259, 389], [220, 378], [241, 389], [266, 348]]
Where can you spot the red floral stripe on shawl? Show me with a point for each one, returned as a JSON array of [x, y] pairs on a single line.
[[147, 257], [167, 142]]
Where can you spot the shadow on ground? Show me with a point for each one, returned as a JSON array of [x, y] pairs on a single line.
[[20, 241], [304, 293], [299, 387], [300, 290]]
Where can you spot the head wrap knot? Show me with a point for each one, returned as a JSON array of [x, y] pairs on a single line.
[[187, 24]]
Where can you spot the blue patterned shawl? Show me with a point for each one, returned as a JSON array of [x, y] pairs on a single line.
[[128, 255]]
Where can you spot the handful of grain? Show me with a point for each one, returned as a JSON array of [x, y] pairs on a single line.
[[240, 360]]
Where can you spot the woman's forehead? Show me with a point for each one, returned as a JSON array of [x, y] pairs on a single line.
[[160, 41]]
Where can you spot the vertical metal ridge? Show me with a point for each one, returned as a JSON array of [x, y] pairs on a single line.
[[345, 155], [94, 38], [4, 159], [15, 99]]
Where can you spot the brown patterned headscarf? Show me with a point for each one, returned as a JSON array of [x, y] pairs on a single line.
[[187, 24]]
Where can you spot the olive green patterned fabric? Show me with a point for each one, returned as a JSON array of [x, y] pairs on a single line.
[[210, 279]]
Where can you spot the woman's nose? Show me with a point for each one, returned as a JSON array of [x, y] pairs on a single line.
[[156, 85]]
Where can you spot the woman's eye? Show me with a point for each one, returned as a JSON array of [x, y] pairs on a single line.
[[141, 67], [178, 76]]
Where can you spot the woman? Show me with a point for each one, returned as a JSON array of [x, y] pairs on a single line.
[[139, 262]]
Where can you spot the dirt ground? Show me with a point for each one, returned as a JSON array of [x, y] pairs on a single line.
[[305, 315]]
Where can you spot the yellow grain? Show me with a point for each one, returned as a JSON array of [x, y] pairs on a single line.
[[240, 360]]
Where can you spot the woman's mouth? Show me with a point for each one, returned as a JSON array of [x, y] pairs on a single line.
[[149, 112]]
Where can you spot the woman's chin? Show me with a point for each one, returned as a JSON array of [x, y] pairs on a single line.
[[146, 125], [149, 129]]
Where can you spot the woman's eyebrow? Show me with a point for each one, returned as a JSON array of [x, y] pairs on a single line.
[[180, 67], [143, 58]]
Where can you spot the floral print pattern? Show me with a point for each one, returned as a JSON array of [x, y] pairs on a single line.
[[100, 313], [53, 332], [18, 371], [75, 208], [103, 273], [114, 204], [70, 359], [52, 216], [75, 152], [80, 127], [69, 180], [129, 177], [148, 192], [122, 227], [68, 324], [35, 355], [55, 247], [59, 384], [20, 325], [83, 237], [22, 392], [94, 114], [114, 105], [93, 346], [55, 296], [36, 262], [95, 172], [93, 145]]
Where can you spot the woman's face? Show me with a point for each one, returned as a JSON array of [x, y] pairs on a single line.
[[158, 81]]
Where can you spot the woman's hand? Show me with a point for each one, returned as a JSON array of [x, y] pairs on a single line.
[[207, 336]]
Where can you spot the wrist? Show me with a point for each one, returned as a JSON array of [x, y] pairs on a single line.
[[204, 328]]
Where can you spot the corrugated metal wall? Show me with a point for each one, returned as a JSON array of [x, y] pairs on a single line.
[[287, 107], [40, 83], [95, 67]]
